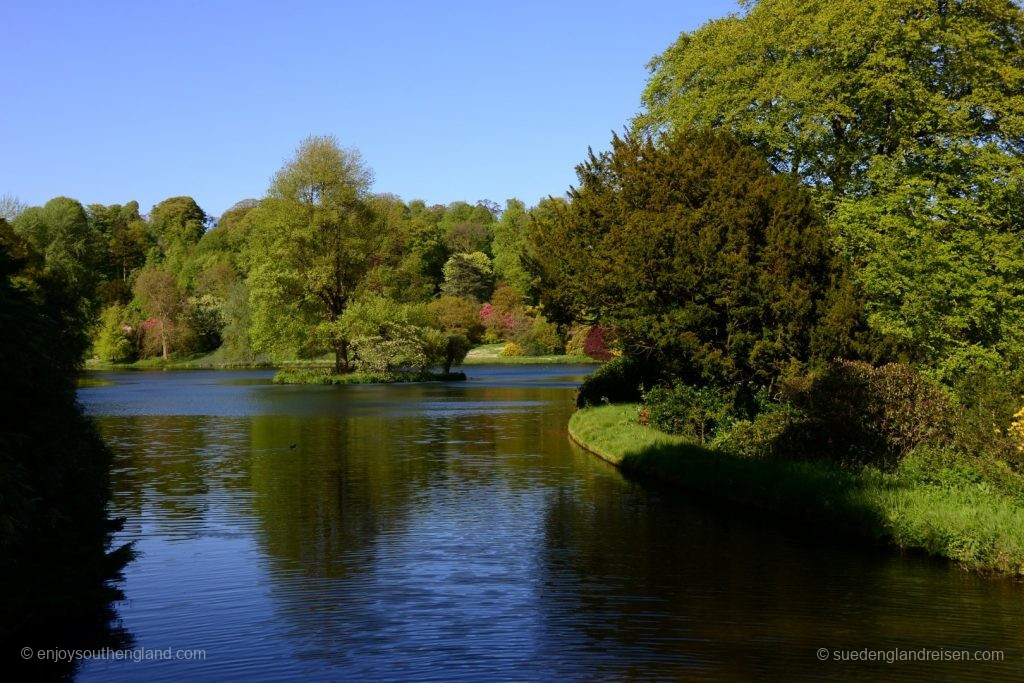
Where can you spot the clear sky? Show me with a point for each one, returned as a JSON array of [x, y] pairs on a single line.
[[112, 101]]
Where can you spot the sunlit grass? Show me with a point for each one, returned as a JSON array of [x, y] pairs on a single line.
[[490, 354]]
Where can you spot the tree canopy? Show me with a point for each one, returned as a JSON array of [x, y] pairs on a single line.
[[313, 242], [699, 256], [907, 117]]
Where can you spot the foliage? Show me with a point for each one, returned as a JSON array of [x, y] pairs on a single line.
[[450, 349], [509, 246], [512, 349], [596, 342], [468, 275], [539, 338], [467, 238], [54, 468], [178, 225], [204, 316], [907, 118], [117, 341], [768, 435], [313, 242], [386, 335], [862, 414], [576, 339], [161, 300], [620, 380], [457, 315], [699, 256], [695, 412], [62, 252]]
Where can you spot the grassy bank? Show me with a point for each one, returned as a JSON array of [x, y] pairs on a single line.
[[490, 354], [323, 376], [947, 513]]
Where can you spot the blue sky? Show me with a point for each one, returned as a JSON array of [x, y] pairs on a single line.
[[112, 101]]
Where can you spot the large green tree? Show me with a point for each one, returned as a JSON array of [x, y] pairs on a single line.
[[510, 245], [313, 241], [907, 117], [177, 224], [64, 256], [701, 258]]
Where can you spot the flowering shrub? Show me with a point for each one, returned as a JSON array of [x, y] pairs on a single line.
[[512, 349], [596, 345]]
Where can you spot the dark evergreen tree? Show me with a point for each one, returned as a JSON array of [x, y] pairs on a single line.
[[700, 257]]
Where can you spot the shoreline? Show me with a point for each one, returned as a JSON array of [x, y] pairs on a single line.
[[976, 528], [477, 356]]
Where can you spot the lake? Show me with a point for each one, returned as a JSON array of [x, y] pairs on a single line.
[[449, 531]]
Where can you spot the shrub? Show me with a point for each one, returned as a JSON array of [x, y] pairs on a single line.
[[870, 415], [768, 435], [512, 349], [540, 338], [115, 341], [596, 344], [577, 340], [620, 380], [695, 412], [989, 422]]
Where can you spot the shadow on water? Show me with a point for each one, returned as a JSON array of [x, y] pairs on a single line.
[[452, 532]]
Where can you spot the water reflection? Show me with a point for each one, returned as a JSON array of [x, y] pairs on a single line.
[[451, 531]]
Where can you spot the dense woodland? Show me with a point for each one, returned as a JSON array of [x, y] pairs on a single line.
[[318, 266]]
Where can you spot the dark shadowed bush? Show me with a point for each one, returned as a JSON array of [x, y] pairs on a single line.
[[620, 380], [867, 415]]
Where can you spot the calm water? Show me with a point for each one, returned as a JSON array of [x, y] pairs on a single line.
[[451, 531]]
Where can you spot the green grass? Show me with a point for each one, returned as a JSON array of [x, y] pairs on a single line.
[[490, 354], [324, 376], [962, 518]]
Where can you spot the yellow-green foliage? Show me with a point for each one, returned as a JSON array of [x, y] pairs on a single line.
[[512, 349]]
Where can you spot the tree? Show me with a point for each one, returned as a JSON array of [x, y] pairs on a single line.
[[314, 240], [700, 258], [54, 467], [63, 253], [386, 334], [468, 275], [456, 315], [510, 244], [11, 207], [907, 117], [161, 300], [178, 224], [467, 238], [60, 232]]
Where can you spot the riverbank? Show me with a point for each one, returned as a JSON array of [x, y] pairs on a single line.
[[485, 354], [322, 376], [490, 354], [944, 512]]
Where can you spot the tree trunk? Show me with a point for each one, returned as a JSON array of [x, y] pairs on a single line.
[[341, 357], [163, 340]]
